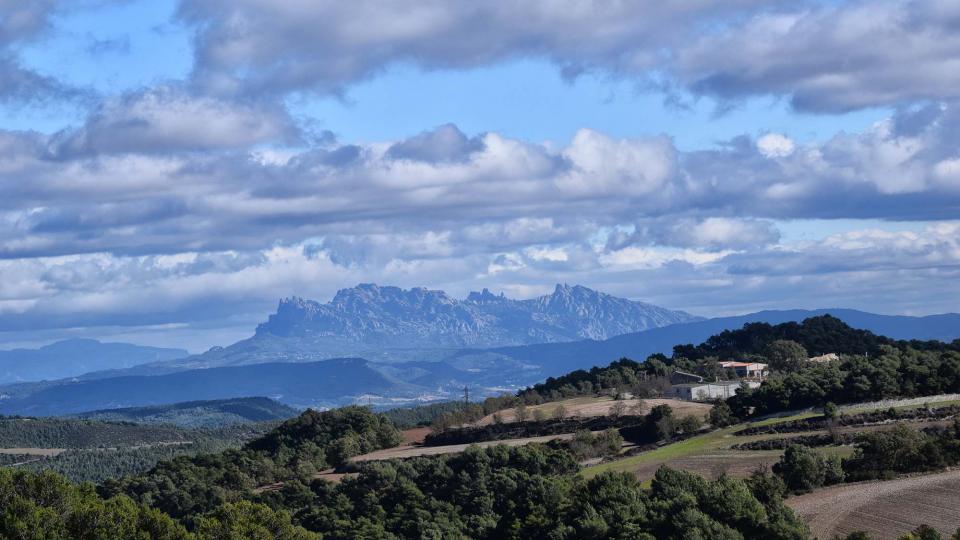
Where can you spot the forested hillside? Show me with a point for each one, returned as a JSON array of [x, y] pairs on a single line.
[[210, 413], [526, 492], [90, 450]]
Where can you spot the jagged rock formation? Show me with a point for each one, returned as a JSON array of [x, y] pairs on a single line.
[[394, 317]]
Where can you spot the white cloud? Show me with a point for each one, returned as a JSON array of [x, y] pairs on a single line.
[[775, 145], [546, 254]]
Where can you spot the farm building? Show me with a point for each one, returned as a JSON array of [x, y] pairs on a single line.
[[747, 370], [681, 377], [708, 391]]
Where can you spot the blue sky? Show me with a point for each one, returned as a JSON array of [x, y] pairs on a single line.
[[171, 168]]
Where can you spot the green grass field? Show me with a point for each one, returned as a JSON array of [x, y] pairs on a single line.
[[710, 451]]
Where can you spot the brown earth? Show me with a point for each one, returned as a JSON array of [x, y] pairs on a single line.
[[414, 435], [737, 465], [600, 406], [885, 510]]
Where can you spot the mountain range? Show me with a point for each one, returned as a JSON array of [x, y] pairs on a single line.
[[331, 382], [394, 324]]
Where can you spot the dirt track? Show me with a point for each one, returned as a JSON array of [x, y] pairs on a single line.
[[414, 451], [885, 510]]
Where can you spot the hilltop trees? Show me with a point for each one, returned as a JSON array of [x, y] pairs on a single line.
[[189, 486], [529, 492], [804, 469], [786, 355], [45, 506], [895, 372]]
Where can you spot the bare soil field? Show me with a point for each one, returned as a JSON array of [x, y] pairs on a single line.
[[735, 464], [409, 451], [885, 510], [414, 435], [600, 406]]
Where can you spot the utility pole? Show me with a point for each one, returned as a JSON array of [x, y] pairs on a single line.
[[466, 397]]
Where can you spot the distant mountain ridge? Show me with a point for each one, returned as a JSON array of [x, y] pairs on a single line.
[[73, 357], [403, 317], [393, 324]]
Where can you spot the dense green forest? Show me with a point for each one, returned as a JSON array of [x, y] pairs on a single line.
[[99, 464], [297, 449], [532, 492], [817, 335], [75, 433], [45, 506], [894, 372], [98, 450]]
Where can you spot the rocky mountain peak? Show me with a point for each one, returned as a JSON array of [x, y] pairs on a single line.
[[373, 316], [485, 296]]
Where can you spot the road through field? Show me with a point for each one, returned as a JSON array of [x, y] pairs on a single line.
[[885, 510]]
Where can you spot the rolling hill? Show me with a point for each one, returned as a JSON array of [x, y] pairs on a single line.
[[314, 384], [210, 413], [73, 357]]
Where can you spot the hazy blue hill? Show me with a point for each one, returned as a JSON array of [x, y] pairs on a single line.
[[557, 358], [209, 413], [77, 356], [308, 384]]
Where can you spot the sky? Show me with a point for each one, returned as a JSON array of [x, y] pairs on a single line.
[[169, 169]]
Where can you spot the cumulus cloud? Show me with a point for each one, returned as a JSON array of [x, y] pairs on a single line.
[[823, 56], [833, 56], [166, 118], [135, 199], [710, 234], [265, 47], [445, 143], [934, 248], [775, 145]]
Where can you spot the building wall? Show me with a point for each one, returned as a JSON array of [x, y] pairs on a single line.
[[708, 391]]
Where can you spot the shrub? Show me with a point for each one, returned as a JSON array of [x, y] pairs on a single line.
[[804, 469]]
